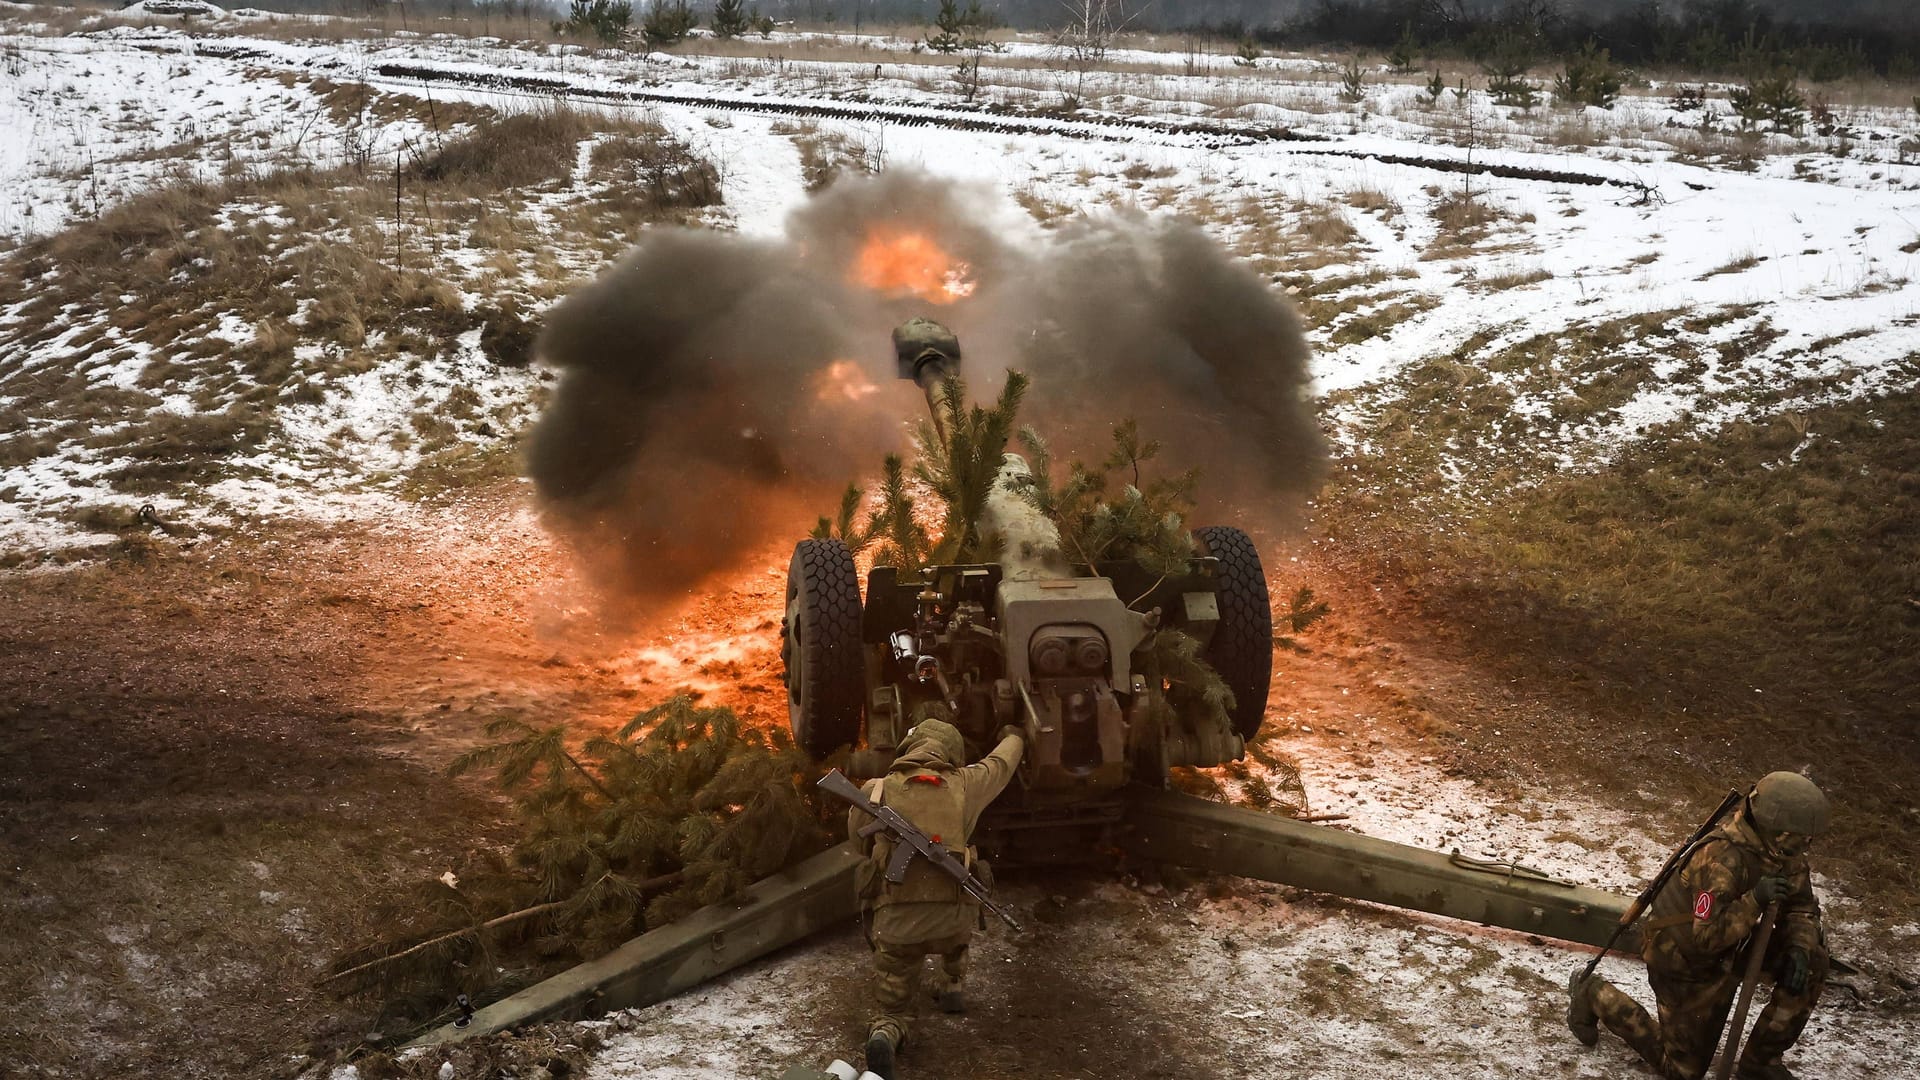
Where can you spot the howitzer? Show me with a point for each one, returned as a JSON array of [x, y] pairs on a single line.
[[1660, 879], [1065, 650], [909, 841]]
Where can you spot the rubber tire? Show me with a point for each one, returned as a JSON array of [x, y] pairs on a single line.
[[826, 678], [1242, 646]]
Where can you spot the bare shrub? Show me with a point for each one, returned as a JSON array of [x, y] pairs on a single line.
[[1688, 97], [661, 171], [512, 151]]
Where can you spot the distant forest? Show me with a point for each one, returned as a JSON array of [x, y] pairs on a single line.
[[1817, 39]]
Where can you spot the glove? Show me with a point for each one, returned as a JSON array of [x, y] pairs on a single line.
[[1792, 972], [1771, 889], [1010, 732]]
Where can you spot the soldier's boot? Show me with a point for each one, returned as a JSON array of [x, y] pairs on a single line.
[[1758, 1070], [880, 1047], [1580, 1017], [951, 995]]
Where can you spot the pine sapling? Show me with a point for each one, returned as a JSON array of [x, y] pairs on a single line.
[[730, 19], [1404, 51]]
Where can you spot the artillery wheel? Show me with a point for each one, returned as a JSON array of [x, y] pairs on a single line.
[[1242, 646], [821, 647]]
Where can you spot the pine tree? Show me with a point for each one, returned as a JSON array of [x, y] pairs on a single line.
[[841, 526], [961, 468], [950, 25], [1589, 78], [975, 22], [1404, 51], [1505, 67], [603, 19], [668, 22], [682, 807], [1353, 83], [729, 18]]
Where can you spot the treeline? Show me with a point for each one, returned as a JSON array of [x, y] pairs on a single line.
[[1732, 37], [1817, 39]]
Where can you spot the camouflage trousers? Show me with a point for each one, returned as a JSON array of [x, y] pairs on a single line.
[[1693, 1013], [896, 978]]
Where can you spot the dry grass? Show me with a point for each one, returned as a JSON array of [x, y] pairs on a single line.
[[655, 172], [326, 276], [1736, 265], [1280, 237], [1380, 321], [1373, 200], [1042, 209], [1140, 172], [1512, 279], [1727, 596], [357, 103], [1323, 299], [825, 154], [515, 151], [1462, 223]]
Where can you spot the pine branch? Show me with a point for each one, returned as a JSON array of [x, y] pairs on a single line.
[[588, 775]]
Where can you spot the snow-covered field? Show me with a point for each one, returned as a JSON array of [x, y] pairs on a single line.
[[1790, 261], [1808, 256]]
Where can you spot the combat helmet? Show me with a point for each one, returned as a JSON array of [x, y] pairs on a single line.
[[1786, 802]]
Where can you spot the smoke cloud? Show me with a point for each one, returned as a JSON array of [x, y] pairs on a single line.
[[717, 391]]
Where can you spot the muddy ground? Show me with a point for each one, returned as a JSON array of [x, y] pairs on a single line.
[[222, 753]]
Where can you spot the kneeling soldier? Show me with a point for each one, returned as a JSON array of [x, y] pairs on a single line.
[[1698, 932]]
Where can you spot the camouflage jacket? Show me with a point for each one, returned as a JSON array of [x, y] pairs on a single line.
[[929, 904], [1707, 910]]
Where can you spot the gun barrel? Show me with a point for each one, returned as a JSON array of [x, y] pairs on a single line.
[[928, 353]]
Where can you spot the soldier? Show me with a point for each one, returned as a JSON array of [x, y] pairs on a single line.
[[928, 912], [1698, 933]]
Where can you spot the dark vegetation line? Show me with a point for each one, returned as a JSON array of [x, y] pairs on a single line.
[[1820, 39]]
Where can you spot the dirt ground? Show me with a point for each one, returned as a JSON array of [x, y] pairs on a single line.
[[223, 753]]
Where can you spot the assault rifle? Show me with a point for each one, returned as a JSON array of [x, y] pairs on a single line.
[[1660, 879], [908, 842]]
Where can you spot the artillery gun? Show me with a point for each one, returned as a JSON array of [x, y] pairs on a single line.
[[1053, 648], [1028, 641]]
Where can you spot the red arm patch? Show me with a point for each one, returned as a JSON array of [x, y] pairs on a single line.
[[1703, 906]]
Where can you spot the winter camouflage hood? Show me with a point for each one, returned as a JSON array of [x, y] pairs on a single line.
[[932, 744]]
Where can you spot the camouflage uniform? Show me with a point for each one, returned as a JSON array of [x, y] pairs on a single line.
[[1697, 941], [927, 913]]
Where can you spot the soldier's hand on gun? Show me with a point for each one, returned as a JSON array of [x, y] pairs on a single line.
[[1009, 732], [1794, 968], [1771, 889]]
